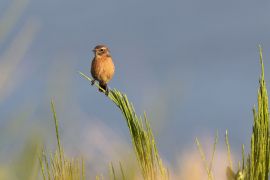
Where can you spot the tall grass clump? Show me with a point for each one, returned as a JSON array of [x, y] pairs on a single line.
[[57, 166], [142, 137], [258, 162]]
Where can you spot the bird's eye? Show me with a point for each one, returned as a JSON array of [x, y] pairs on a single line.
[[101, 50]]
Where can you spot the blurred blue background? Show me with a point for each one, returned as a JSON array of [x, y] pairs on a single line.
[[192, 65]]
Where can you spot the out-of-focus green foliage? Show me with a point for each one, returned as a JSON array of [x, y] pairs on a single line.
[[208, 166], [57, 166]]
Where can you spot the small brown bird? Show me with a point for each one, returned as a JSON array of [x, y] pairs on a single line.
[[102, 68]]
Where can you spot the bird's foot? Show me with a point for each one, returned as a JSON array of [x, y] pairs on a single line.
[[93, 82], [107, 91]]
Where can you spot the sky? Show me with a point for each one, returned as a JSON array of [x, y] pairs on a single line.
[[192, 65]]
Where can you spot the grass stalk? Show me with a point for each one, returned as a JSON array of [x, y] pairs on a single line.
[[228, 149], [203, 157]]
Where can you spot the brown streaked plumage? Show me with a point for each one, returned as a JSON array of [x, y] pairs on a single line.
[[102, 67]]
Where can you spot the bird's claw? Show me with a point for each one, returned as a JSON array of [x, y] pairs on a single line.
[[93, 82], [107, 92]]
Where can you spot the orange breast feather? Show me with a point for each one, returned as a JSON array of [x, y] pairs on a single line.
[[102, 69]]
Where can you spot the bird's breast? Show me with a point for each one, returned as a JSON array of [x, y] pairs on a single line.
[[103, 69]]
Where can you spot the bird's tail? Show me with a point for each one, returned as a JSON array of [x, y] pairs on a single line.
[[103, 86]]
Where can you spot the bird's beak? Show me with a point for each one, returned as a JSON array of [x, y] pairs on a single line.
[[94, 50]]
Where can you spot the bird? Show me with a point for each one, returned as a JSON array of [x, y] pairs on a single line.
[[102, 67]]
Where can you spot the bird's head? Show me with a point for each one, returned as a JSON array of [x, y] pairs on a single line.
[[101, 50]]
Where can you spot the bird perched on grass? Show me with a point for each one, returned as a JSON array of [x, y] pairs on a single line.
[[102, 67]]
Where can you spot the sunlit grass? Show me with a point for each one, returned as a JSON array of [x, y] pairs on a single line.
[[142, 137], [257, 164]]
